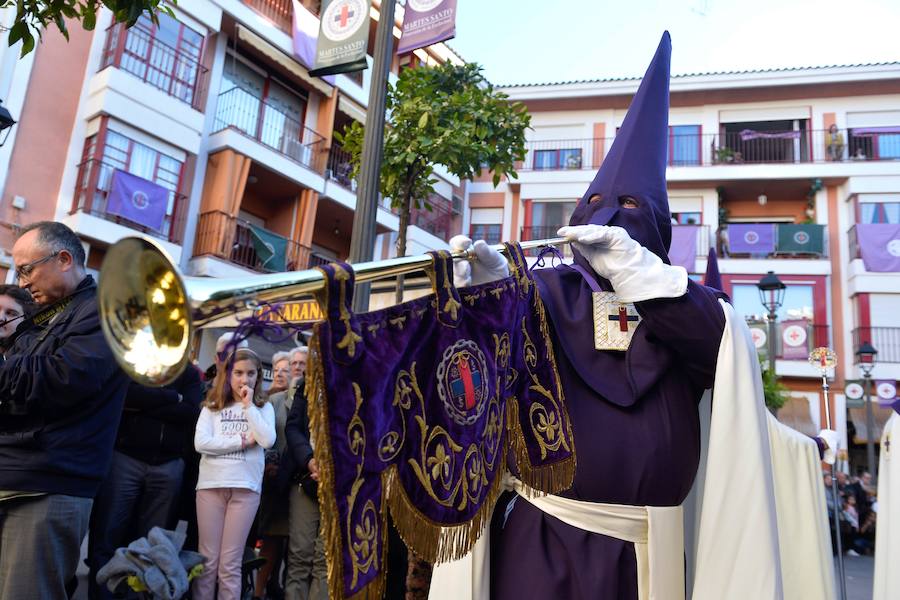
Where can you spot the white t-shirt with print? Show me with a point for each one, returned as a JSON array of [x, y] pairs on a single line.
[[224, 463]]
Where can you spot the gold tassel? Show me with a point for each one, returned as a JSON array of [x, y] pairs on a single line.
[[550, 478]]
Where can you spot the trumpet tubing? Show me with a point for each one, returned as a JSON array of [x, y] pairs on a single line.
[[149, 310]]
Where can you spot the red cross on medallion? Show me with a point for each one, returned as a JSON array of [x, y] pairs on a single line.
[[623, 317], [345, 15], [465, 373], [794, 335]]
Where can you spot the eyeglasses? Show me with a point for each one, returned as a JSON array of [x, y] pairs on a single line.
[[27, 269]]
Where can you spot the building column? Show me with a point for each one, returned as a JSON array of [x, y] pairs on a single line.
[[223, 190], [307, 204]]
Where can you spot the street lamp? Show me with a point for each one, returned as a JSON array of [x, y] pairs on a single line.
[[771, 296], [866, 354], [6, 123]]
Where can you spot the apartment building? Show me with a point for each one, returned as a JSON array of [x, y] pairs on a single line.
[[778, 170], [212, 109]]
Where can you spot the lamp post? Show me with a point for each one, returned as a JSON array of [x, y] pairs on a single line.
[[771, 296], [866, 354], [6, 123]]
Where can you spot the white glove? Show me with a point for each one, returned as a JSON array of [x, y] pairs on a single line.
[[490, 266], [830, 437], [635, 273]]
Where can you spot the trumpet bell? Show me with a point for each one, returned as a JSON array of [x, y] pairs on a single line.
[[144, 311]]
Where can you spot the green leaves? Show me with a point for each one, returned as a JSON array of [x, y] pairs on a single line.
[[34, 16]]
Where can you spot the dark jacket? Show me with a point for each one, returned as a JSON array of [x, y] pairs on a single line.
[[299, 451], [61, 395], [156, 425]]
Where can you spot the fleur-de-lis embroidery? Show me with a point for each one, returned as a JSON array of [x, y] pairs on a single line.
[[547, 425], [439, 463], [398, 322]]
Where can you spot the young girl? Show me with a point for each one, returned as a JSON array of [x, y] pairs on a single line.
[[235, 428]]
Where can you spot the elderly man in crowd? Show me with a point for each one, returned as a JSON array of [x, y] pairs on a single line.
[[61, 396]]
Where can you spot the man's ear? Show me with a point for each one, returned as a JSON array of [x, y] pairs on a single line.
[[66, 261]]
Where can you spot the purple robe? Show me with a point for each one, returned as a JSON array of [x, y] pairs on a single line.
[[637, 438]]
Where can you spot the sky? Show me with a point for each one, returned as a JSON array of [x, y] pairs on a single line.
[[542, 41]]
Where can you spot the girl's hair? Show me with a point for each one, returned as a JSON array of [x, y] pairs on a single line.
[[220, 395], [22, 296]]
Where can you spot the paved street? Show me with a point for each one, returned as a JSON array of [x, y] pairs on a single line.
[[859, 571]]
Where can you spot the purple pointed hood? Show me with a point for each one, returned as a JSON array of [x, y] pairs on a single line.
[[635, 165], [713, 279]]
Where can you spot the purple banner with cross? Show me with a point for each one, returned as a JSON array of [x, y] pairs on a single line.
[[886, 390], [879, 245], [683, 250], [138, 200], [795, 340], [427, 22], [751, 238]]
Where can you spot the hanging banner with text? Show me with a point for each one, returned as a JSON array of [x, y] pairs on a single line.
[[427, 22], [343, 37], [305, 32]]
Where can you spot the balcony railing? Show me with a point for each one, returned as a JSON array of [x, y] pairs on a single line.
[[240, 110], [884, 339], [151, 60], [794, 339], [789, 241], [339, 168], [438, 221], [730, 148], [229, 238], [92, 192], [278, 12]]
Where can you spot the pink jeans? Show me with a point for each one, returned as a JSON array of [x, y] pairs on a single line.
[[224, 518]]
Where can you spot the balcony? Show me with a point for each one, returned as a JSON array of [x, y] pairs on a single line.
[[438, 221], [241, 243], [339, 168], [885, 339], [264, 122], [92, 192], [176, 72], [795, 338], [772, 240], [732, 148]]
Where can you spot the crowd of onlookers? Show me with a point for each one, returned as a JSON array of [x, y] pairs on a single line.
[[84, 451], [857, 510]]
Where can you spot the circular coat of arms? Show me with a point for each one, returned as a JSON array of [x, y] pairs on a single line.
[[751, 237], [140, 200], [854, 391], [462, 381], [759, 337], [801, 237], [794, 335], [886, 390], [343, 18], [893, 247], [423, 5]]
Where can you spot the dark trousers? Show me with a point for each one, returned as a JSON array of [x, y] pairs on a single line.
[[134, 498], [40, 542]]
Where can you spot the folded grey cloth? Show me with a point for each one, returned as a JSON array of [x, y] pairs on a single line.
[[157, 560]]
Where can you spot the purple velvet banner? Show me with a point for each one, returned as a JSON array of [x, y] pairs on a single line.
[[416, 409], [874, 131], [751, 238], [427, 22], [750, 134], [138, 200], [683, 250], [879, 245], [795, 342]]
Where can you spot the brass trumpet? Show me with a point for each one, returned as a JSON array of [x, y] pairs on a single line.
[[149, 311]]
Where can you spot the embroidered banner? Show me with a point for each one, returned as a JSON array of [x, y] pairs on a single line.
[[137, 200], [343, 37], [415, 409], [795, 341], [879, 245], [683, 250], [427, 22], [886, 390], [751, 238], [801, 239], [305, 32]]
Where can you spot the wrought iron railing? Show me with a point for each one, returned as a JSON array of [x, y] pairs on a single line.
[[886, 340], [139, 52], [789, 241], [245, 112], [92, 193], [230, 238], [339, 168]]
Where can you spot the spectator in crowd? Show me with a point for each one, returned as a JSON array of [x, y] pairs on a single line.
[[834, 141], [272, 519], [221, 345], [299, 357], [281, 372], [16, 305], [235, 427], [61, 396], [307, 572], [143, 486]]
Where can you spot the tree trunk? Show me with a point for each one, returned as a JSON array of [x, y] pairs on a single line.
[[401, 241]]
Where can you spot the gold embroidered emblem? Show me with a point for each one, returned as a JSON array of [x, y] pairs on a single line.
[[614, 322]]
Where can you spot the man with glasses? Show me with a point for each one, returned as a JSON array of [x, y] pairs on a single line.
[[61, 396]]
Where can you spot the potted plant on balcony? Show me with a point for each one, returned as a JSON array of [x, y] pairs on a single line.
[[724, 154]]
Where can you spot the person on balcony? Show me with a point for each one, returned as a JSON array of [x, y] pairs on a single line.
[[834, 142]]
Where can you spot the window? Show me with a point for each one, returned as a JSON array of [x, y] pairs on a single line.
[[684, 145], [875, 143], [166, 56], [687, 218], [798, 302], [879, 212], [490, 233], [122, 153], [567, 158], [551, 214]]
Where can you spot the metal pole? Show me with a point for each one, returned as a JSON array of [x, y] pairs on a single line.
[[836, 510], [362, 239], [870, 426], [772, 316]]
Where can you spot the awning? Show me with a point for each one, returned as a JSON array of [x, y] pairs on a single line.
[[283, 59], [351, 109], [795, 414], [880, 417]]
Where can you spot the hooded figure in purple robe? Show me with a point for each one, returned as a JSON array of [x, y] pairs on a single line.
[[633, 412]]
